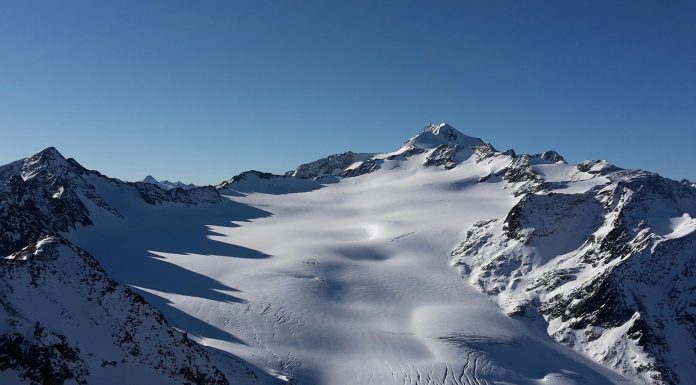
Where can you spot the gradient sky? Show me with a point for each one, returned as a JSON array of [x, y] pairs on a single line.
[[201, 90]]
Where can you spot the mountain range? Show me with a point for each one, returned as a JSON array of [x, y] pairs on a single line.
[[445, 261], [167, 185]]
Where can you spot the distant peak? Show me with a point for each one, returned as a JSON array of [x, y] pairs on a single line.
[[434, 135], [149, 179], [552, 156], [167, 185]]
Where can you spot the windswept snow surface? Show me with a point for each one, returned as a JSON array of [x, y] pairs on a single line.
[[346, 284]]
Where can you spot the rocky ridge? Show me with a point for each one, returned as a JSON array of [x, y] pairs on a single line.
[[610, 269]]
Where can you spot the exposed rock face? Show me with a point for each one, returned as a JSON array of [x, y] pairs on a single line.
[[268, 183], [445, 155], [365, 167], [517, 170], [248, 175], [331, 165], [550, 156], [611, 269], [44, 358], [153, 194]]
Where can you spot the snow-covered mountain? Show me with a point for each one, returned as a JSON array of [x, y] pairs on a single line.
[[167, 185], [64, 320], [610, 267], [445, 261]]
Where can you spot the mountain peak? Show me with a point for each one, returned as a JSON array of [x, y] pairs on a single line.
[[47, 160], [434, 135], [437, 128], [150, 179], [49, 153]]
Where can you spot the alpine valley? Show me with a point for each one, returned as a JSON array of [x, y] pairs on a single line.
[[445, 261]]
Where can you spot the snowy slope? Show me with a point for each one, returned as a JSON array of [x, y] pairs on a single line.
[[348, 283], [442, 262]]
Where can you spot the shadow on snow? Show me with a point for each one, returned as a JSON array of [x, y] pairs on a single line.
[[131, 248]]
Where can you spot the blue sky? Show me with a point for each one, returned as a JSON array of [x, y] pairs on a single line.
[[200, 91]]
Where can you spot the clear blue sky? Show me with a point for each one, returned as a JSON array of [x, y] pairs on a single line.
[[201, 90]]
